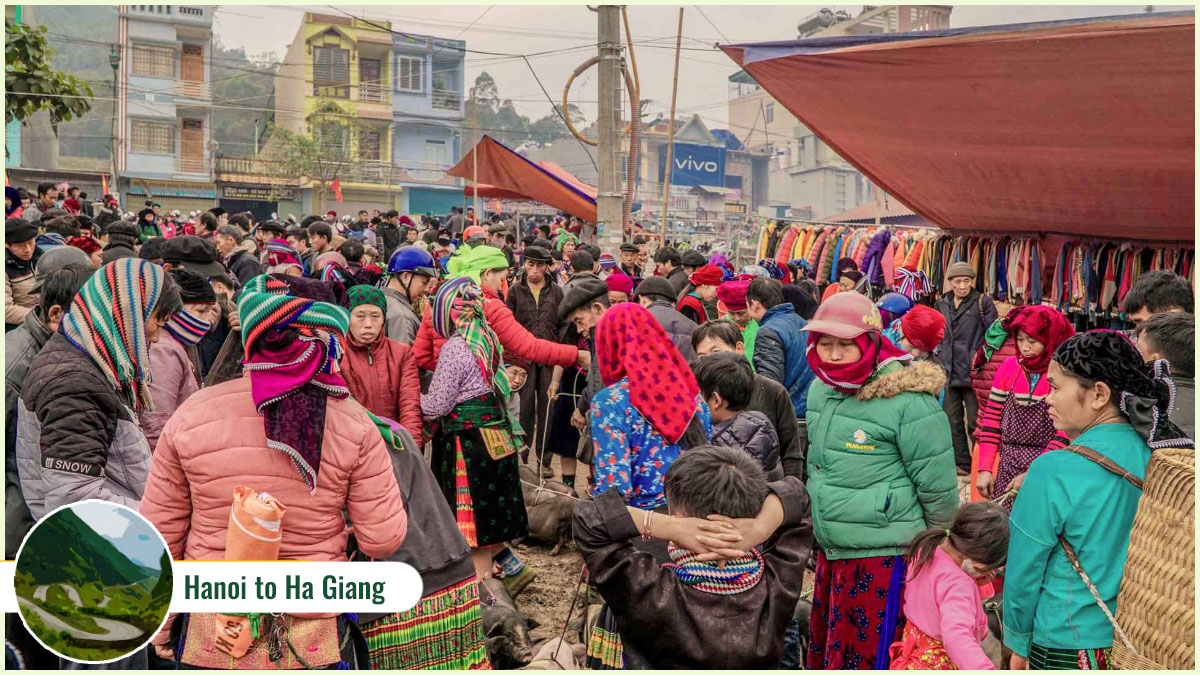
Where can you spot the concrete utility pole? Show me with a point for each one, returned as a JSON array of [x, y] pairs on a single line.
[[609, 200]]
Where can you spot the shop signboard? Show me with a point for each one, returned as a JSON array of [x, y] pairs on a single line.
[[693, 164], [267, 193]]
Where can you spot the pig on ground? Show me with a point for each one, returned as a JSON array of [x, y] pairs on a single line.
[[549, 655], [549, 509], [993, 644], [802, 616], [504, 627]]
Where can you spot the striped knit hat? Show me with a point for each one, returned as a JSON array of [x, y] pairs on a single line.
[[107, 321], [279, 252], [265, 304]]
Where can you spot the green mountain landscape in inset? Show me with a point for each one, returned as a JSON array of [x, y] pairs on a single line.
[[80, 594]]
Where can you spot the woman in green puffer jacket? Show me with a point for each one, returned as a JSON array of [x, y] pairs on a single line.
[[880, 470]]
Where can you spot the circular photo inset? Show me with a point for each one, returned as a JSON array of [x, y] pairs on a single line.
[[93, 581]]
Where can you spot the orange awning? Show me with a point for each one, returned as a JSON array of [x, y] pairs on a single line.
[[500, 168], [1080, 127]]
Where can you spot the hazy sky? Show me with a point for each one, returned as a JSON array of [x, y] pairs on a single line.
[[124, 529], [703, 85]]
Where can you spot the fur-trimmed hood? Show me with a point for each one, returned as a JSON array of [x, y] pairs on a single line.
[[922, 377]]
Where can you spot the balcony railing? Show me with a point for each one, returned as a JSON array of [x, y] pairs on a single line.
[[331, 90], [249, 166], [193, 164], [371, 92], [197, 90], [444, 99]]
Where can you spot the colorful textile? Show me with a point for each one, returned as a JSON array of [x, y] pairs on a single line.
[[738, 574], [1015, 423], [489, 508], [733, 294], [187, 327], [848, 378], [1046, 325], [918, 651], [1048, 658], [366, 295], [630, 455], [458, 310], [444, 631], [563, 238], [292, 350], [631, 343], [107, 321], [604, 649], [279, 252], [850, 608]]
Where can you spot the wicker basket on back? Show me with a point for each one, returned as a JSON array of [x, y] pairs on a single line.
[[1157, 603]]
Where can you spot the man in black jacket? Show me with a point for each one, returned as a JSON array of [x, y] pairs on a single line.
[[237, 253], [629, 266], [968, 316], [657, 295], [388, 233], [668, 264], [534, 301]]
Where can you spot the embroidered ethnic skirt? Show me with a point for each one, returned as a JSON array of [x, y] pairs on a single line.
[[1049, 658], [604, 650], [443, 632], [918, 651], [484, 493], [856, 612]]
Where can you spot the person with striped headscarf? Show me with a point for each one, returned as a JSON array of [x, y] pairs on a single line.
[[474, 448], [77, 431]]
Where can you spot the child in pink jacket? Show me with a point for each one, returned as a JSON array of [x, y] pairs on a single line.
[[943, 595]]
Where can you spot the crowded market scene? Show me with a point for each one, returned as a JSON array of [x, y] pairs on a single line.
[[803, 383]]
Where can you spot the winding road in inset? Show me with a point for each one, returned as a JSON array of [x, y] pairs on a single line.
[[114, 630]]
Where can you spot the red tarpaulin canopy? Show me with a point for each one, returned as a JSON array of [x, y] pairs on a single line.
[[1073, 127], [501, 168]]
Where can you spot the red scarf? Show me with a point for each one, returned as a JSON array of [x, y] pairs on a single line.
[[630, 343], [848, 378], [1044, 324]]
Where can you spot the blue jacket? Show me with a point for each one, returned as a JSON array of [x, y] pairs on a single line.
[[779, 353]]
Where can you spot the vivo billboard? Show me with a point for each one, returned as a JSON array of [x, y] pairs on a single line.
[[694, 165]]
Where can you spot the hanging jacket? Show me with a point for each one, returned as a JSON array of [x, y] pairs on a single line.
[[383, 377], [880, 463], [779, 353]]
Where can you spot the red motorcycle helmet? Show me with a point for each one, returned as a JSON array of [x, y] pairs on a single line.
[[846, 316]]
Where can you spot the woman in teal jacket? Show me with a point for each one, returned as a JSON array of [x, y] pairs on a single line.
[[880, 470], [1104, 397]]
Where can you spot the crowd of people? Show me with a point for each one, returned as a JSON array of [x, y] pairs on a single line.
[[727, 433]]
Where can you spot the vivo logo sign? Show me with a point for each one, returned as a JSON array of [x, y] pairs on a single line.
[[694, 165]]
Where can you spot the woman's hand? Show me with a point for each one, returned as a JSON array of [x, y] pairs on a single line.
[[1016, 662], [984, 482], [164, 652], [584, 360], [754, 531], [578, 420], [1017, 482], [552, 390]]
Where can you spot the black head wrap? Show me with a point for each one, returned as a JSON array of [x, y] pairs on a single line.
[[1145, 391], [193, 287]]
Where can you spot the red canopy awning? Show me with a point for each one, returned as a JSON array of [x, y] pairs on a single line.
[[492, 192], [501, 168], [1074, 127]]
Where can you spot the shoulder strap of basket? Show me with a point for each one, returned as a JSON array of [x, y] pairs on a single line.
[[1073, 557]]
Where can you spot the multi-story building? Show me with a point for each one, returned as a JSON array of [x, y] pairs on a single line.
[[165, 148], [333, 86], [427, 111], [387, 108], [807, 178]]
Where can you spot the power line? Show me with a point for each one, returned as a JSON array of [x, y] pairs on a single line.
[[710, 22]]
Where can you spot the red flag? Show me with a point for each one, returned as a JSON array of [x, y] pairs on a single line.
[[103, 184], [337, 189]]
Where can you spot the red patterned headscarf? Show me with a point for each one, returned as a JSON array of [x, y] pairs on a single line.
[[630, 343], [1046, 325]]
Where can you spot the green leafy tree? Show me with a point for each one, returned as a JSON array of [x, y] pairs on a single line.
[[551, 128], [31, 84], [321, 154]]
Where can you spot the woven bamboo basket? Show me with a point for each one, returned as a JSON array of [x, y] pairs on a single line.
[[1157, 603]]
